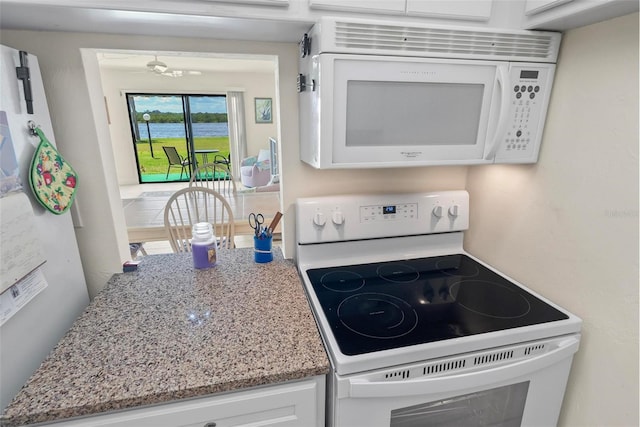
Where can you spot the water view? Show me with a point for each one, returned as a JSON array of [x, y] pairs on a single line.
[[176, 130], [166, 115]]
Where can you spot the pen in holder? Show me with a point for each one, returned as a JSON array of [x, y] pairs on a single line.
[[262, 248]]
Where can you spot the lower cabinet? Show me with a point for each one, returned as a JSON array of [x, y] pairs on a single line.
[[299, 403]]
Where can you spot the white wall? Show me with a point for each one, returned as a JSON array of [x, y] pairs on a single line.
[[568, 226], [81, 133], [116, 82], [81, 128]]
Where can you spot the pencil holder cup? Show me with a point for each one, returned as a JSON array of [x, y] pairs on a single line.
[[262, 248]]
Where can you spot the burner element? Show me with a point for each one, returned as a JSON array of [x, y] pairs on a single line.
[[490, 299], [377, 315], [342, 281], [398, 272]]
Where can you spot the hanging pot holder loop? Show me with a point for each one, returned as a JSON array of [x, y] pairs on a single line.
[[52, 179]]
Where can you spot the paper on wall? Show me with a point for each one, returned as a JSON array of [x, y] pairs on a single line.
[[20, 251], [9, 172], [18, 295]]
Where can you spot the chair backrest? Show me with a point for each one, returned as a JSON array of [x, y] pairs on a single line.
[[197, 204], [216, 176], [219, 158], [172, 155]]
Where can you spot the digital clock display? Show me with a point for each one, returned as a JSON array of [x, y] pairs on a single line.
[[528, 74], [386, 210]]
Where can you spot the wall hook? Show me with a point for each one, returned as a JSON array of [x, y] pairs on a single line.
[[32, 127]]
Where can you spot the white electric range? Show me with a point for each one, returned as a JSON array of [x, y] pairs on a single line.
[[418, 331]]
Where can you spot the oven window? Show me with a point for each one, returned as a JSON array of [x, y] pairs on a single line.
[[499, 407], [412, 113]]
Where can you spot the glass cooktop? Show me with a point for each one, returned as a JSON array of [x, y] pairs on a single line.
[[380, 306]]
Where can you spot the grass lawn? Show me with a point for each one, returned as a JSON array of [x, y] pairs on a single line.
[[159, 163]]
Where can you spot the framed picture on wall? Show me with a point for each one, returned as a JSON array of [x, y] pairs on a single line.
[[263, 110]]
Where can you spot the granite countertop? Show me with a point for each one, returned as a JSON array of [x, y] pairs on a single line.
[[168, 331]]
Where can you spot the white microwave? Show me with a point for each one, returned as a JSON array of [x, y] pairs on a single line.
[[379, 94]]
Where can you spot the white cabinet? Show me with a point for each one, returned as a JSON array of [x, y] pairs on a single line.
[[379, 6], [456, 9], [476, 10], [532, 7], [563, 15], [253, 2], [299, 403]]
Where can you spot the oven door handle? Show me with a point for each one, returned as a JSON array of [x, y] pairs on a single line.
[[359, 388]]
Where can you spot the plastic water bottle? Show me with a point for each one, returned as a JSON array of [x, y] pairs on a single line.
[[203, 246]]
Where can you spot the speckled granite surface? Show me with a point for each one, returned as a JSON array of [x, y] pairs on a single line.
[[168, 332]]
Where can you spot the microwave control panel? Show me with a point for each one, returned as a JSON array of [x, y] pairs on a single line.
[[530, 89]]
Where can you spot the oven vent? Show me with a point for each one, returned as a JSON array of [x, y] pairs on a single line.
[[402, 374], [444, 367], [433, 41], [493, 357], [534, 349]]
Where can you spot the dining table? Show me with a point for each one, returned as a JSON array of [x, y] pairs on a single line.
[[204, 153], [144, 215]]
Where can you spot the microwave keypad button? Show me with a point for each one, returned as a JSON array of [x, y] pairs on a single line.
[[523, 88], [532, 95], [536, 89], [529, 88], [516, 88], [518, 95]]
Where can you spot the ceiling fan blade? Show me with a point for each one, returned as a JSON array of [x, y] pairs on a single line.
[[157, 66]]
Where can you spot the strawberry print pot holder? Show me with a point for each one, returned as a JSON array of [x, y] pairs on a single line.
[[52, 179]]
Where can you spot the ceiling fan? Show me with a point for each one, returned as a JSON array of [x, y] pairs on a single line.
[[160, 68], [156, 66]]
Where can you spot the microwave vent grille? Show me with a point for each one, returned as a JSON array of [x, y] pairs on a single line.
[[360, 37]]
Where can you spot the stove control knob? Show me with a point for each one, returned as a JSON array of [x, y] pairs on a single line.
[[453, 210], [337, 217], [437, 211], [319, 219]]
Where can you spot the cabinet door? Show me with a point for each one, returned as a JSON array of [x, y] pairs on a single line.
[[393, 6], [562, 15], [286, 405], [254, 2], [476, 10], [536, 6]]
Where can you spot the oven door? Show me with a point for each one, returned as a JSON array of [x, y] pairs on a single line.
[[388, 111], [513, 386]]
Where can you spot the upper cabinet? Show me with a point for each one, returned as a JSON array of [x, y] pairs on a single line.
[[561, 15], [477, 10], [253, 2], [288, 20], [395, 7], [532, 7]]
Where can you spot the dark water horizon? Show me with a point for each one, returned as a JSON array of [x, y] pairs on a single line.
[[176, 130]]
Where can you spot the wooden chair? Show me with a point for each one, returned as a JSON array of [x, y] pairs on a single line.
[[176, 159], [191, 205], [216, 176]]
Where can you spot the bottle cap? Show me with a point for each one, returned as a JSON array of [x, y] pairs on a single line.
[[202, 231]]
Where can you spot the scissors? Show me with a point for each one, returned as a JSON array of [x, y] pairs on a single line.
[[255, 222]]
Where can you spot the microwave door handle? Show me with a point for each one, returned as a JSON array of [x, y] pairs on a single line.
[[501, 80]]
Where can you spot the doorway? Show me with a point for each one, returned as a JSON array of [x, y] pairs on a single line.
[[173, 133]]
